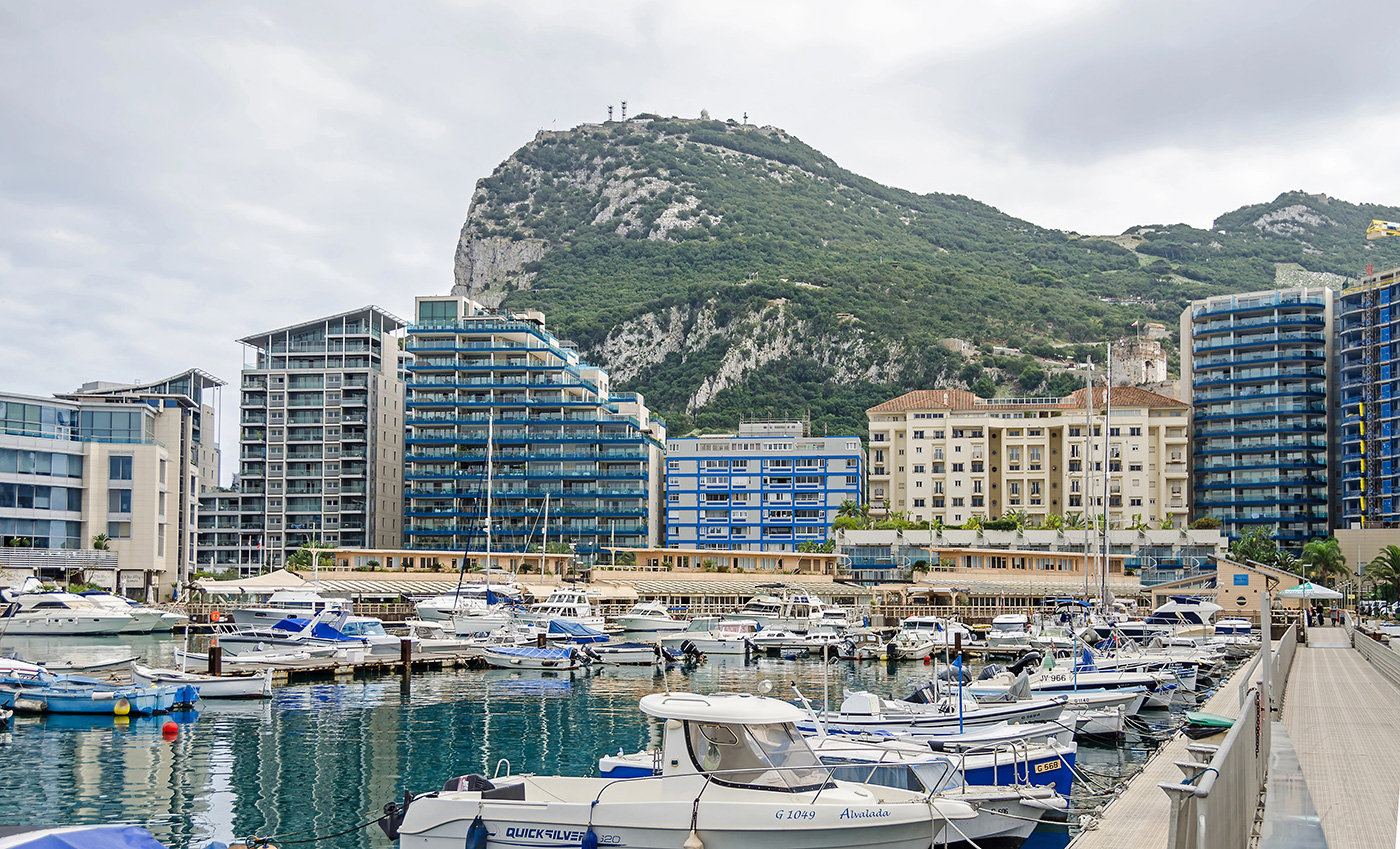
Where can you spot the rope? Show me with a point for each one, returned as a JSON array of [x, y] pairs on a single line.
[[254, 842]]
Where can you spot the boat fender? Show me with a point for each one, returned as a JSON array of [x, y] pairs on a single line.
[[477, 834], [590, 839]]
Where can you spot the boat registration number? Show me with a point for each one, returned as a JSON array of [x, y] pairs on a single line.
[[795, 814], [1048, 766]]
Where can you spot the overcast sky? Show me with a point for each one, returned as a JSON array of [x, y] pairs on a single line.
[[174, 176]]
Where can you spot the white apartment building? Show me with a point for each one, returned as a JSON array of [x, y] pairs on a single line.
[[949, 455]]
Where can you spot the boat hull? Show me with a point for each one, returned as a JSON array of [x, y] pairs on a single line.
[[257, 686], [638, 819], [650, 624]]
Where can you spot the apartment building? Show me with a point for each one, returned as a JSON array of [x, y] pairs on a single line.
[[116, 459], [947, 455], [770, 487], [320, 443], [1368, 393], [1254, 368], [570, 461]]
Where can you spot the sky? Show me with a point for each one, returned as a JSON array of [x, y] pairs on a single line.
[[176, 176]]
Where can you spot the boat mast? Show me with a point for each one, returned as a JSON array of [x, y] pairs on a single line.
[[490, 423], [1088, 465], [1107, 417], [544, 547]]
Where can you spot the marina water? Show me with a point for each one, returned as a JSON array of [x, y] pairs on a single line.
[[318, 758]]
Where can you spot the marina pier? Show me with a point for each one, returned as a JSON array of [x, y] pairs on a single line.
[[1329, 775]]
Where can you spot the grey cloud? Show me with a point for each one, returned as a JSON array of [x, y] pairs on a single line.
[[1187, 73]]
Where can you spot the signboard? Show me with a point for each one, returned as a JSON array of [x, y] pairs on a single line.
[[1241, 579]]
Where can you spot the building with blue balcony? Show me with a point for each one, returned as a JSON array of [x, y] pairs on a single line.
[[504, 419], [770, 487], [1254, 368], [1368, 394]]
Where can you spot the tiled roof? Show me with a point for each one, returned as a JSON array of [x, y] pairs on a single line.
[[959, 399]]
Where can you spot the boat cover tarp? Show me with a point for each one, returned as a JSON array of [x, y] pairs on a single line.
[[322, 631], [575, 632], [94, 837], [546, 654]]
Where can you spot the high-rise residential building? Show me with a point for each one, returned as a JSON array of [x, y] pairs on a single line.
[[320, 442], [947, 455], [569, 458], [1254, 368], [1368, 393], [770, 487], [124, 461]]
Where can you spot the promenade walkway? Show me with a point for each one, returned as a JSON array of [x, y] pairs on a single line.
[[1344, 719], [1138, 818]]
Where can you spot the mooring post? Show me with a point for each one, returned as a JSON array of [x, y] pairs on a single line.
[[406, 654], [216, 657], [957, 644]]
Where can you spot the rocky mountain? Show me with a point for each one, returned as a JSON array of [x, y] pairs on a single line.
[[731, 271]]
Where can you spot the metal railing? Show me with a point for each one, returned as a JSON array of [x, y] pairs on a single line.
[[1215, 807], [1381, 657]]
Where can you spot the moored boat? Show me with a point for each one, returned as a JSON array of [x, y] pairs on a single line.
[[512, 657], [735, 775], [238, 686], [650, 616]]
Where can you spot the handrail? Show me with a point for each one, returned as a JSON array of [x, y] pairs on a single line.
[[1383, 659]]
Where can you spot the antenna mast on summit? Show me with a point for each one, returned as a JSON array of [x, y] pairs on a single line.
[[609, 113], [624, 110]]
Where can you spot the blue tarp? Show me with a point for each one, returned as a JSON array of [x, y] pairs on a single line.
[[322, 631], [574, 632], [95, 837]]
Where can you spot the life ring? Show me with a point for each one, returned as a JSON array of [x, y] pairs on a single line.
[[213, 616]]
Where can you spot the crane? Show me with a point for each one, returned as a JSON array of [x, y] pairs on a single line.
[[1380, 229]]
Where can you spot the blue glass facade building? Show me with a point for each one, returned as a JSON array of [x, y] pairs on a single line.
[[1254, 367], [569, 457], [769, 488], [1368, 390]]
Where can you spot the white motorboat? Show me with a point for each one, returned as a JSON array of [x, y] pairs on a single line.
[[259, 657], [777, 639], [795, 611], [626, 654], [941, 632], [867, 713], [509, 657], [88, 662], [1010, 633], [1182, 614], [650, 616], [257, 685], [1006, 815], [144, 620], [319, 634], [288, 603], [1156, 688], [735, 775], [567, 604], [469, 598], [836, 618], [712, 635], [432, 636], [909, 646], [58, 614], [371, 630]]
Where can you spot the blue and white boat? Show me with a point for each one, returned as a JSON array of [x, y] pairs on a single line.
[[46, 693], [319, 635]]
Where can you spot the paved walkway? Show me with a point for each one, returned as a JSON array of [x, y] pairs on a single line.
[[1138, 818], [1344, 718]]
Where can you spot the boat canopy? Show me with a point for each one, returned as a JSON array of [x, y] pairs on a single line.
[[575, 632], [734, 708], [322, 631]]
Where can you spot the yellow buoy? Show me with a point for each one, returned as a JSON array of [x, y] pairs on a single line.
[[121, 707]]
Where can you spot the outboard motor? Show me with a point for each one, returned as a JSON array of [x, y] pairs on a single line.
[[989, 672], [692, 652], [394, 813], [946, 674], [922, 695], [592, 655], [1025, 661], [891, 651]]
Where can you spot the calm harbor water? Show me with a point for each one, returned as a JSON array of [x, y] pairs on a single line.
[[318, 758]]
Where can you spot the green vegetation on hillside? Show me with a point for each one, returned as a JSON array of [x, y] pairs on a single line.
[[640, 217]]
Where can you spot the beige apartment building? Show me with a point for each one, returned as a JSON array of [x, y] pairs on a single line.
[[949, 455]]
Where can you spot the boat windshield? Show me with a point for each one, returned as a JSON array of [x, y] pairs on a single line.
[[771, 756], [364, 629]]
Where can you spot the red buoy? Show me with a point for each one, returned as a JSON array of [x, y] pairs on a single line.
[[169, 730]]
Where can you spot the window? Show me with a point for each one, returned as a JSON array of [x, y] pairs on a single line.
[[673, 498], [1013, 488], [118, 501], [938, 468], [918, 502], [976, 486], [938, 503], [958, 467], [119, 467], [938, 486], [1135, 431], [673, 465], [437, 312], [918, 470], [1113, 431], [119, 530], [957, 502], [938, 434], [918, 434]]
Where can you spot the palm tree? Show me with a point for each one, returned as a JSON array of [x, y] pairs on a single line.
[[1075, 522], [100, 543], [1323, 560], [1384, 568]]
